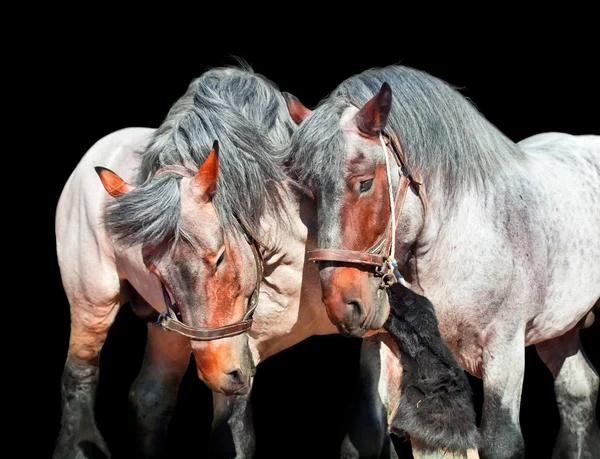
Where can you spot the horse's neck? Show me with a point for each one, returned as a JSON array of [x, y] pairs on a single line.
[[434, 249], [290, 308]]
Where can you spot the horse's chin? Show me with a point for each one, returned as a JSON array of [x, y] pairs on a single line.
[[228, 389], [359, 332], [352, 332], [235, 383], [229, 392], [380, 310]]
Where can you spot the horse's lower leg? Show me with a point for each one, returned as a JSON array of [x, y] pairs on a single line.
[[576, 389], [502, 371], [79, 436], [153, 395], [367, 431], [232, 428]]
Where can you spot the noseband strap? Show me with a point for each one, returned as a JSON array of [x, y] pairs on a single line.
[[170, 319], [379, 258], [346, 256]]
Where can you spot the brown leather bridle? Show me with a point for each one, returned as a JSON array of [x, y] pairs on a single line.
[[378, 258], [169, 319]]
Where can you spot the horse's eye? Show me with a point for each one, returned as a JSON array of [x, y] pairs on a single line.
[[366, 185], [221, 257]]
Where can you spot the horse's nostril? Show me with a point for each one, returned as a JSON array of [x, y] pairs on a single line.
[[235, 375], [356, 311]]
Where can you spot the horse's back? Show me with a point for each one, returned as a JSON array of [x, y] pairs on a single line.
[[586, 144], [81, 243], [577, 157], [113, 151]]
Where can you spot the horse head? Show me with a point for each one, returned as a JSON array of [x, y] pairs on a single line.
[[360, 183], [207, 273]]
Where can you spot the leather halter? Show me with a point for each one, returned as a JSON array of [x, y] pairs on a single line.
[[378, 258], [170, 318]]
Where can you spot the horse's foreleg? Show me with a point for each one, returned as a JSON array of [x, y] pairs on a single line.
[[576, 389], [232, 433], [153, 395], [503, 369], [91, 319], [367, 431]]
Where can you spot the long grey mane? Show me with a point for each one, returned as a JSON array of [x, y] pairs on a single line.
[[440, 131], [248, 115]]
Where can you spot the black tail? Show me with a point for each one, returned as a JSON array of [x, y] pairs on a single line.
[[436, 404]]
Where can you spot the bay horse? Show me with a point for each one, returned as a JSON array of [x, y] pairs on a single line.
[[195, 225], [502, 237]]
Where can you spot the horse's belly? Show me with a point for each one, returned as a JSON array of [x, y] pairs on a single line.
[[567, 302], [555, 321]]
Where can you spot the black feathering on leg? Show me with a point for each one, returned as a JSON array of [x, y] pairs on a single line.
[[436, 406]]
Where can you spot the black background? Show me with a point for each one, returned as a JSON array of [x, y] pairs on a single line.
[[99, 74]]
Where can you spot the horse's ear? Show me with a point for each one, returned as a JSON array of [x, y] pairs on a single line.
[[205, 180], [297, 110], [372, 118], [114, 184]]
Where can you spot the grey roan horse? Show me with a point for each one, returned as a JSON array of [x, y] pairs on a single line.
[[502, 237], [198, 216]]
